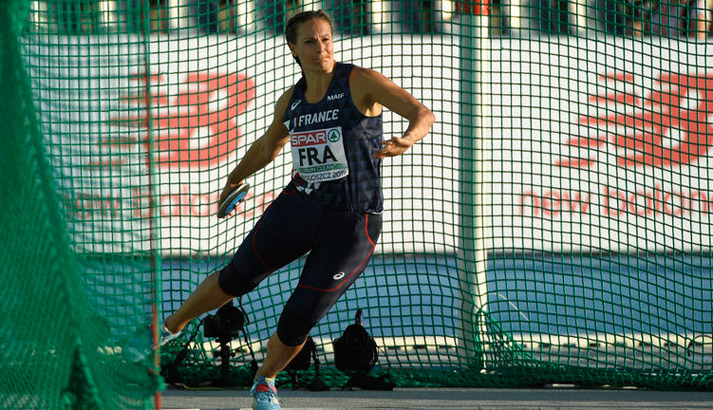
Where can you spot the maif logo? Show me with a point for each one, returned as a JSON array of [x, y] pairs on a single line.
[[667, 125], [195, 128]]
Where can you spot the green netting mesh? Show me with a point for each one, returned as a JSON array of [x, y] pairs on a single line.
[[553, 228], [55, 351]]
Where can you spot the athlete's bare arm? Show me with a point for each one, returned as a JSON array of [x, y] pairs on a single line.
[[263, 151], [372, 90]]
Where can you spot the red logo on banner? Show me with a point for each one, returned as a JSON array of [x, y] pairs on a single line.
[[476, 7], [196, 128], [666, 127]]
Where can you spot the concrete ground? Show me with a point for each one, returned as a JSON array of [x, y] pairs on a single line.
[[556, 398]]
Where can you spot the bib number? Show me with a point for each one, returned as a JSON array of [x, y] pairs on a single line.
[[319, 155]]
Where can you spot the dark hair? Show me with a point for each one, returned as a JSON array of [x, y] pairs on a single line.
[[296, 21]]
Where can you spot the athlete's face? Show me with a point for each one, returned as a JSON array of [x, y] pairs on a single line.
[[314, 46]]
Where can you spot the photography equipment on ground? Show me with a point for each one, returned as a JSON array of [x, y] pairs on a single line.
[[225, 326], [301, 362], [356, 353]]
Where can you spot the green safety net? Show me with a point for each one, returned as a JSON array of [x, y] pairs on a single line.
[[56, 345], [554, 227]]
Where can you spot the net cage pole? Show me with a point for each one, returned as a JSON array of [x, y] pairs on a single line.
[[153, 205], [473, 41]]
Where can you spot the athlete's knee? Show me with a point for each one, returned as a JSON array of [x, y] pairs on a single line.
[[293, 328], [233, 283]]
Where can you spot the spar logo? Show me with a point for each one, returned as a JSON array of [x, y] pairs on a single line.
[[666, 125], [192, 127], [304, 139], [334, 136]]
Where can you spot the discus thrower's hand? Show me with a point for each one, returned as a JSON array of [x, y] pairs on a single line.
[[393, 147], [226, 191]]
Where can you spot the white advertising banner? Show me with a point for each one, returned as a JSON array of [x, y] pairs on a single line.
[[590, 144], [600, 145], [143, 136]]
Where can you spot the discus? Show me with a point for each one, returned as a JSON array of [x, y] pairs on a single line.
[[235, 197]]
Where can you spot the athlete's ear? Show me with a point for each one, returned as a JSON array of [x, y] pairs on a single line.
[[292, 47]]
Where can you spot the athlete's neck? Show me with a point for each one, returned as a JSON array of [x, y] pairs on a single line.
[[317, 84]]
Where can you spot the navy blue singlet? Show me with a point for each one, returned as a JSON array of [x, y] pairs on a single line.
[[336, 191], [332, 144]]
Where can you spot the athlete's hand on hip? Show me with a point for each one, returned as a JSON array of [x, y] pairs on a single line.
[[393, 147]]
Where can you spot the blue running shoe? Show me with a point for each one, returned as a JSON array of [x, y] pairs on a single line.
[[140, 344], [167, 336], [265, 395]]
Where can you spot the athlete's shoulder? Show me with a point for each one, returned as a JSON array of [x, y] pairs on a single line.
[[284, 101], [362, 76], [359, 70]]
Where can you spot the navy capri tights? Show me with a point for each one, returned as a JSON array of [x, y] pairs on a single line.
[[340, 245]]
